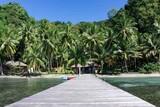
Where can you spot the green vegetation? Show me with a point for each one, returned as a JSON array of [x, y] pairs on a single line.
[[15, 89], [125, 42], [150, 67], [147, 88]]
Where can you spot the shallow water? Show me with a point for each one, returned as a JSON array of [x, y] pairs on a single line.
[[12, 90], [147, 88]]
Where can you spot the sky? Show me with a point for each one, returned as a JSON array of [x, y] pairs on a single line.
[[69, 10]]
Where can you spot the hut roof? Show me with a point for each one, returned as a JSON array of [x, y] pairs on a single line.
[[78, 65], [16, 63]]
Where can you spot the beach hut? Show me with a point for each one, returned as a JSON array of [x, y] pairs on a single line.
[[16, 64], [77, 68], [15, 68], [89, 68]]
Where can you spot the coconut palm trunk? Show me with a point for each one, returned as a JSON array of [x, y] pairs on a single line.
[[1, 67], [50, 63], [102, 65], [76, 66], [135, 63], [57, 62], [159, 58], [126, 65]]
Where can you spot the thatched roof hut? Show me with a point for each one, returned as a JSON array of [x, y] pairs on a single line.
[[78, 65], [15, 68], [16, 64]]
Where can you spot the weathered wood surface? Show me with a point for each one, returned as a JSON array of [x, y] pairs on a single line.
[[84, 91]]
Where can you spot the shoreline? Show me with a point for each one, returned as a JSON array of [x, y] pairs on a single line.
[[42, 76], [75, 75], [125, 75]]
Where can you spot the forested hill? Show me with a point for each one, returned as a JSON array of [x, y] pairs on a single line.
[[13, 14], [128, 41]]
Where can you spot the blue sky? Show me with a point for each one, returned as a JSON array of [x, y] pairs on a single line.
[[69, 10]]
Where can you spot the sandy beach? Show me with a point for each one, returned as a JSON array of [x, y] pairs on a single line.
[[42, 76], [131, 74]]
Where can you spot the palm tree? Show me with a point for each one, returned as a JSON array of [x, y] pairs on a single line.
[[157, 27], [151, 47], [125, 28], [77, 55], [135, 54], [8, 44], [67, 36], [66, 41], [110, 39], [34, 58], [126, 53], [47, 49], [47, 37], [92, 39], [105, 54], [126, 38], [27, 35]]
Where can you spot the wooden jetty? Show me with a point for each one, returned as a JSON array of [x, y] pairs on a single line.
[[83, 91]]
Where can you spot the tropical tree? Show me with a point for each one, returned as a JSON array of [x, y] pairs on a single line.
[[151, 47], [67, 36], [26, 34], [93, 38], [145, 12], [8, 42], [77, 55], [13, 14], [127, 36], [34, 58]]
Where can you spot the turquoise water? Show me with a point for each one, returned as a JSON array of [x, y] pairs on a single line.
[[147, 88], [12, 90]]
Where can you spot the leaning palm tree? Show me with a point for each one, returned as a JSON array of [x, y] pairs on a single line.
[[110, 39]]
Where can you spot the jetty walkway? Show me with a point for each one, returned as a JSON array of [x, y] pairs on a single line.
[[83, 91]]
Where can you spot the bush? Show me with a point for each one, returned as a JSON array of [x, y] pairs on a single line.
[[32, 74], [62, 70], [111, 71], [150, 68]]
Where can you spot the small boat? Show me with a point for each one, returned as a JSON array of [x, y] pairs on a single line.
[[68, 78]]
